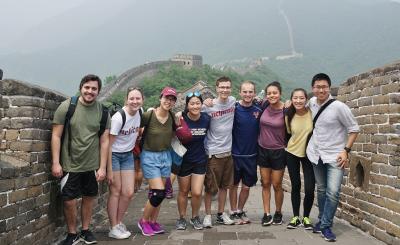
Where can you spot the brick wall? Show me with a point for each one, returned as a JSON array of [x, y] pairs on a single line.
[[30, 205], [370, 198]]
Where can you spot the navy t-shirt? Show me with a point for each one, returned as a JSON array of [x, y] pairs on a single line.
[[245, 130], [196, 152]]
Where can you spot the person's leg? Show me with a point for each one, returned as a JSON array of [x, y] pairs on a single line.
[[309, 186], [334, 181], [154, 201], [127, 190], [86, 211], [293, 165], [222, 193], [196, 188], [70, 213], [233, 197], [266, 188], [184, 187], [320, 173], [113, 198], [277, 177], [138, 174], [243, 196]]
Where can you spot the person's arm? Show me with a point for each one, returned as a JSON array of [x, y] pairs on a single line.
[[104, 149], [343, 157], [56, 169], [109, 160]]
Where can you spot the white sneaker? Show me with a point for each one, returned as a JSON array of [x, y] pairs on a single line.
[[116, 233], [122, 227], [207, 221], [224, 219]]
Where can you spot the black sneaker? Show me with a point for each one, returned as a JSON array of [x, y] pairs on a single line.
[[266, 220], [71, 239], [294, 223], [88, 237], [277, 220]]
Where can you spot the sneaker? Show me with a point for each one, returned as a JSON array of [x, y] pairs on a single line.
[[157, 228], [294, 223], [207, 222], [328, 235], [317, 228], [196, 223], [266, 220], [242, 215], [224, 219], [277, 220], [236, 219], [87, 237], [122, 227], [71, 239], [181, 224], [116, 233], [307, 223], [145, 227]]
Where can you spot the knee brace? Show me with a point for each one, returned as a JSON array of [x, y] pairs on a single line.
[[157, 197]]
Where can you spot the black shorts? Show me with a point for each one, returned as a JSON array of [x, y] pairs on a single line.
[[245, 170], [75, 185], [175, 168], [187, 169], [275, 159]]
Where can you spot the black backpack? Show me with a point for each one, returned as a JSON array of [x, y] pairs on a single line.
[[70, 113]]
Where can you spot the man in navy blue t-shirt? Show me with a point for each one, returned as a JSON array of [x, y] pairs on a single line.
[[244, 150]]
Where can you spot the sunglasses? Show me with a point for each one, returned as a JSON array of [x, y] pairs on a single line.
[[191, 94]]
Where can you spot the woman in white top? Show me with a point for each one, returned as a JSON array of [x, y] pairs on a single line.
[[124, 130]]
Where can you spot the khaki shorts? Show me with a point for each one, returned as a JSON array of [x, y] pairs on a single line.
[[219, 174]]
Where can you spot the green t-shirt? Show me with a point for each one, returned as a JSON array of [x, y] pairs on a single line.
[[85, 145], [158, 136]]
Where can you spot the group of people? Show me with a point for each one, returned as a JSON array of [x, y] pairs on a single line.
[[230, 140]]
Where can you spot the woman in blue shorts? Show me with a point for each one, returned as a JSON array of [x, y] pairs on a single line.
[[193, 169], [124, 130], [156, 158]]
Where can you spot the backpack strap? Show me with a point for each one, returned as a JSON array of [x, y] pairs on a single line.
[[70, 112], [174, 127], [317, 116], [103, 121], [123, 115]]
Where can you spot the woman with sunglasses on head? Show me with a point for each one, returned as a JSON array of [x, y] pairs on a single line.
[[271, 152], [193, 168], [156, 158], [124, 130], [299, 124]]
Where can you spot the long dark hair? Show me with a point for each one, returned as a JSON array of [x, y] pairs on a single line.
[[291, 110]]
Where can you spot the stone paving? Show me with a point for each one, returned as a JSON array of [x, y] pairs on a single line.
[[250, 234]]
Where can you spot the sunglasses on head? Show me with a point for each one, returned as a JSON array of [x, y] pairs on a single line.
[[195, 93]]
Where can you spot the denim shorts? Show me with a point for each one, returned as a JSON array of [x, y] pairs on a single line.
[[156, 164], [122, 161]]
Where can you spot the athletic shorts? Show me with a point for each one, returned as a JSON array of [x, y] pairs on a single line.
[[188, 168], [245, 170], [122, 161], [275, 159], [219, 174], [75, 185], [156, 164]]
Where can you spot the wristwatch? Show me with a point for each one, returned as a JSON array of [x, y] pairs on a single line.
[[347, 149]]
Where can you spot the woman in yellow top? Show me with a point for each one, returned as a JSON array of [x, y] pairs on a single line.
[[299, 124]]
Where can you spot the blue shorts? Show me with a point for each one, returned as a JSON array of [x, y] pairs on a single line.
[[245, 170], [156, 164], [122, 161]]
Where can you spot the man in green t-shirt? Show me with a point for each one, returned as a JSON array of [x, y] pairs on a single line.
[[83, 157]]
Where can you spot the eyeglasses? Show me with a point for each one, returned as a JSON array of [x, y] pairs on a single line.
[[191, 94], [321, 87]]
